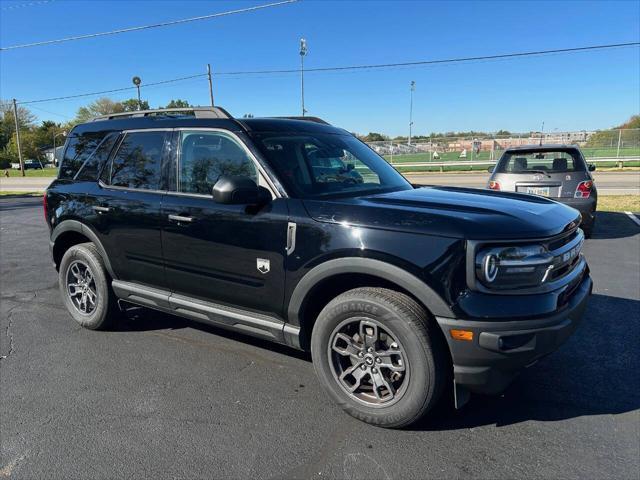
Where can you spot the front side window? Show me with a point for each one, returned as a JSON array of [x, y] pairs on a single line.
[[541, 161], [324, 164], [137, 163], [206, 156]]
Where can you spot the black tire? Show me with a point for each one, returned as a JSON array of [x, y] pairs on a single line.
[[402, 320], [102, 313]]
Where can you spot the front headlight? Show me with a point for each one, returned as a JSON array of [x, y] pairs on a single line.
[[512, 267]]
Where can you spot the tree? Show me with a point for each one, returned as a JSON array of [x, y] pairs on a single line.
[[131, 105], [26, 119], [375, 137], [177, 104], [101, 106]]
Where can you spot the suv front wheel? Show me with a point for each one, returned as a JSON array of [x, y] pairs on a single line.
[[85, 289], [375, 355]]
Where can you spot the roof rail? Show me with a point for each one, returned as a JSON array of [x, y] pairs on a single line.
[[308, 119], [199, 112]]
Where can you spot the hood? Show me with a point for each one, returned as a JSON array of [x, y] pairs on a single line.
[[452, 212]]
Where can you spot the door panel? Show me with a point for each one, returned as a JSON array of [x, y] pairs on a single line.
[[126, 206], [214, 251], [215, 256]]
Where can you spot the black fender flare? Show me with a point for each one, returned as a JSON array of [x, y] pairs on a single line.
[[79, 227], [409, 282]]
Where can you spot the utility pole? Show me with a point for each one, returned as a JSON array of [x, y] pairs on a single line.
[[413, 87], [210, 83], [15, 117], [303, 53]]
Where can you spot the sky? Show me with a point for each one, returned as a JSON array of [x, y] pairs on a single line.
[[587, 90]]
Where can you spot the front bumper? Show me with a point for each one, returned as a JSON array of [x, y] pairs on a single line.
[[501, 349]]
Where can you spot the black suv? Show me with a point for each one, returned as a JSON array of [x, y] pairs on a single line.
[[398, 291]]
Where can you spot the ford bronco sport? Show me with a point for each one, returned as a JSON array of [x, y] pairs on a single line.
[[398, 291]]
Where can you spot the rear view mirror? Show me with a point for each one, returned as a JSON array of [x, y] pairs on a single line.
[[238, 190], [592, 167]]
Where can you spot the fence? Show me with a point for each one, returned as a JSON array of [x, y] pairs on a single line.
[[617, 147]]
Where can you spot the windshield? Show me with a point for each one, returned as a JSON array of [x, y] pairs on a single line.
[[323, 164], [545, 161]]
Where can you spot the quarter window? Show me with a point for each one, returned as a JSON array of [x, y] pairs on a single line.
[[206, 156], [137, 164], [79, 149]]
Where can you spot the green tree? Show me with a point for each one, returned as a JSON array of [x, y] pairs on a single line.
[[26, 119], [101, 106], [177, 103], [375, 137], [131, 105]]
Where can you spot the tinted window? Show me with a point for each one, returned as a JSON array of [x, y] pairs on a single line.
[[205, 156], [548, 161], [92, 165], [138, 160], [320, 164], [78, 149]]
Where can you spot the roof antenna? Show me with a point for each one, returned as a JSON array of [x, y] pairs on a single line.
[[542, 133]]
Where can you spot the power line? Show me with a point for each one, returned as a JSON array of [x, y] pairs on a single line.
[[433, 62], [114, 90], [355, 67], [29, 4], [146, 27]]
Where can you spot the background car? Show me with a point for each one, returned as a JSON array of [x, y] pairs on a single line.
[[559, 172], [28, 164]]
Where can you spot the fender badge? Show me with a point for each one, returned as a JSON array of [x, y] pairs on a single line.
[[263, 265]]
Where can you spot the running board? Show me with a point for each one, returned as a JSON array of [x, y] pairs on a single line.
[[251, 323]]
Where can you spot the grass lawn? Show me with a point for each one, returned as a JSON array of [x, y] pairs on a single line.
[[619, 203], [44, 172], [15, 193]]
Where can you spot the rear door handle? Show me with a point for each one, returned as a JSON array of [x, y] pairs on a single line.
[[181, 219], [99, 209]]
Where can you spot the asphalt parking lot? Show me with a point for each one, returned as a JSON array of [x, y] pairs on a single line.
[[163, 397]]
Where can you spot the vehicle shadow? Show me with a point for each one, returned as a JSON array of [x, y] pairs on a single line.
[[611, 225], [597, 372]]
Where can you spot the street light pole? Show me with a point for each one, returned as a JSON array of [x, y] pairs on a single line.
[[413, 87], [303, 53], [210, 83], [137, 81], [15, 117]]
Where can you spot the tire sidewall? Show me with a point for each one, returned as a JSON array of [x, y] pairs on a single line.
[[97, 318], [421, 366]]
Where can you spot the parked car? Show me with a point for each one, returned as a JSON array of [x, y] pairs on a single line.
[[398, 292], [28, 164], [555, 171]]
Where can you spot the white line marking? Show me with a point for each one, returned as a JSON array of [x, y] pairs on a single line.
[[633, 218]]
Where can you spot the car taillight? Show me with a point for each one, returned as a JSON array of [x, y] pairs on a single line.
[[584, 189], [494, 185], [44, 206]]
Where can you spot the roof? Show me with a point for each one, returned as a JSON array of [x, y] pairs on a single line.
[[544, 146], [205, 117]]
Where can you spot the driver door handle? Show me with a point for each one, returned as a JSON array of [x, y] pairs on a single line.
[[181, 219]]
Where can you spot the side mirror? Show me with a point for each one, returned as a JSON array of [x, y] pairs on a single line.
[[592, 167], [237, 190], [490, 169]]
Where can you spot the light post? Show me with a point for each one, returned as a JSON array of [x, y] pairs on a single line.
[[64, 134], [303, 53], [413, 87], [137, 81]]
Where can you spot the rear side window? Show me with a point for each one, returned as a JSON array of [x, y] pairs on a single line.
[[137, 163], [93, 164], [79, 149]]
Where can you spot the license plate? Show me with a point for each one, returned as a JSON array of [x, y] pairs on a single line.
[[544, 191]]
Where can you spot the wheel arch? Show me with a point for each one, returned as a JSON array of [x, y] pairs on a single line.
[[72, 232], [329, 279]]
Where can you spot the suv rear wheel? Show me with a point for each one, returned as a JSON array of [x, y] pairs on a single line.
[[85, 289], [375, 355]]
